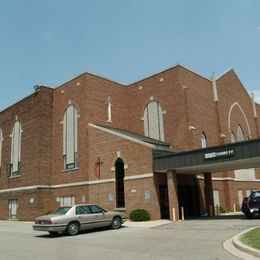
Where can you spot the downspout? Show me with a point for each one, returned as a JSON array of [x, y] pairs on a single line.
[[255, 116], [187, 118], [221, 136]]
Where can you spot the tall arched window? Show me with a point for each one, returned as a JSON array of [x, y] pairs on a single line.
[[240, 134], [16, 149], [153, 121], [1, 140], [70, 136], [203, 140], [233, 139], [109, 110]]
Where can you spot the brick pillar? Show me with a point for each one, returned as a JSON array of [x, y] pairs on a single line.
[[172, 193], [208, 190]]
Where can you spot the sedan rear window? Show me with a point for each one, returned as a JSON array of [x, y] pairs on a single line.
[[61, 211]]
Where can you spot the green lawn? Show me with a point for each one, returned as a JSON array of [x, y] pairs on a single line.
[[252, 238]]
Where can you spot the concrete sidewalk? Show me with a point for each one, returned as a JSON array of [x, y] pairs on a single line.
[[146, 224]]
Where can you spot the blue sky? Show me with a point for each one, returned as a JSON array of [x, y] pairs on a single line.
[[49, 42]]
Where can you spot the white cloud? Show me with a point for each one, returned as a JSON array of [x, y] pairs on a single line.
[[257, 96]]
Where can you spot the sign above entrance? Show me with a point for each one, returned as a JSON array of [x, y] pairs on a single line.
[[220, 154]]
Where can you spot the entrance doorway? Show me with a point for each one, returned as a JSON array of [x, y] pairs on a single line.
[[164, 201], [188, 198], [120, 186], [188, 195], [13, 205]]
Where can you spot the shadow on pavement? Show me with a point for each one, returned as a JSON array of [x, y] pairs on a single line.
[[61, 235]]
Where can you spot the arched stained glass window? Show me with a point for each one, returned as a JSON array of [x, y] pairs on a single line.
[[70, 136], [16, 149], [153, 121], [109, 110], [203, 140], [240, 134], [233, 139]]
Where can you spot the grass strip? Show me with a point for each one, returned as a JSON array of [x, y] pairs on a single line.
[[252, 238]]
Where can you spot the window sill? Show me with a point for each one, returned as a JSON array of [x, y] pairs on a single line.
[[70, 170], [13, 177], [109, 121], [120, 209]]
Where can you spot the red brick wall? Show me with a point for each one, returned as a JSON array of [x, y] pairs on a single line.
[[89, 98], [137, 160], [170, 95], [201, 109], [230, 90], [35, 115]]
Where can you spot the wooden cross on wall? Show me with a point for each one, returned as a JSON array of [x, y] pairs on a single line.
[[97, 165]]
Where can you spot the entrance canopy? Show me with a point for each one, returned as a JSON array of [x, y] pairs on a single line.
[[226, 157]]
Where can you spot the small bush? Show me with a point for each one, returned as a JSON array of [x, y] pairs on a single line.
[[223, 210], [139, 215]]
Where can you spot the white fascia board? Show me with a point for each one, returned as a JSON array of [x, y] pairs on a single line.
[[19, 189], [228, 179], [75, 184], [223, 73], [122, 136], [141, 176]]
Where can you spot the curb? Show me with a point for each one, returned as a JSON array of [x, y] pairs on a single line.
[[244, 248], [16, 221], [146, 224]]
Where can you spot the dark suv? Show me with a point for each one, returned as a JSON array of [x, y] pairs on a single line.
[[251, 204]]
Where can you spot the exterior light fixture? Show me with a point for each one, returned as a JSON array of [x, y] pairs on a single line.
[[191, 127]]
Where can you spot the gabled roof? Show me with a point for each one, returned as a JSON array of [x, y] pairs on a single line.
[[169, 68], [134, 137], [224, 73]]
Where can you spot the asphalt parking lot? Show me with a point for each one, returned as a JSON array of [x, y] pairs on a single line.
[[200, 238]]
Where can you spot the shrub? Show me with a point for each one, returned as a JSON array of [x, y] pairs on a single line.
[[223, 210], [139, 215]]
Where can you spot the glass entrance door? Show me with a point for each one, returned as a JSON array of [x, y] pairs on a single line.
[[13, 205]]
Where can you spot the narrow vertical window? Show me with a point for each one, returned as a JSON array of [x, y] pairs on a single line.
[[153, 121], [16, 149], [1, 141], [203, 140], [70, 136], [67, 201], [109, 110], [240, 134], [233, 139]]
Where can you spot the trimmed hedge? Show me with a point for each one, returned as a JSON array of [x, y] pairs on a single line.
[[139, 215]]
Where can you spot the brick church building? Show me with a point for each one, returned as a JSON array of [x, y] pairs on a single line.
[[91, 140]]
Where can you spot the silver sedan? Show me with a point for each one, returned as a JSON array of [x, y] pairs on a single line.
[[72, 219]]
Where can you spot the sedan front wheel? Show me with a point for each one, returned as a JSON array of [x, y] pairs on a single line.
[[116, 223]]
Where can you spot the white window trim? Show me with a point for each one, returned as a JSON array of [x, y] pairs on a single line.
[[74, 164], [14, 157]]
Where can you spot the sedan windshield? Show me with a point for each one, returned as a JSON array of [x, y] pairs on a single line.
[[61, 211]]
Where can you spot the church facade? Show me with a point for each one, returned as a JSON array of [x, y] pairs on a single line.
[[91, 140]]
